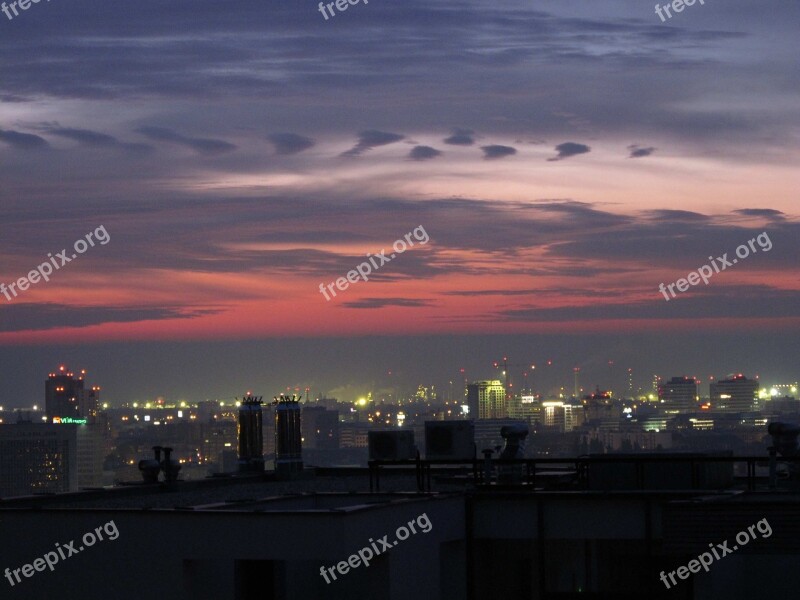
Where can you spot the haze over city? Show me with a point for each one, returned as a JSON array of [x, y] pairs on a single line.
[[582, 155]]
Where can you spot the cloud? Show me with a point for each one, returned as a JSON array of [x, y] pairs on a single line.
[[13, 98], [678, 216], [494, 151], [290, 143], [423, 153], [372, 139], [639, 152], [200, 145], [767, 213], [384, 302], [461, 137], [718, 302], [46, 315], [568, 149], [22, 141], [96, 139]]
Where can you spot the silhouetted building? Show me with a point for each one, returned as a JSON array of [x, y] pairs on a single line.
[[320, 428]]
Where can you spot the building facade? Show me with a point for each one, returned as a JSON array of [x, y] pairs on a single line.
[[678, 395], [487, 399], [734, 395], [38, 458]]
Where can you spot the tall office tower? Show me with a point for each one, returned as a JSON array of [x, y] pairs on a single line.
[[89, 403], [487, 399], [320, 428], [66, 398], [38, 457], [250, 434], [288, 435], [91, 452], [63, 395], [735, 394], [678, 395]]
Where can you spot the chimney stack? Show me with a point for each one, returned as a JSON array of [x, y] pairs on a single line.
[[251, 435], [170, 466], [288, 440]]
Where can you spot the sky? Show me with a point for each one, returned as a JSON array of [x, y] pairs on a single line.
[[563, 159]]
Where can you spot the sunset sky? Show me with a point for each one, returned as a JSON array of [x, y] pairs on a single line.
[[565, 158]]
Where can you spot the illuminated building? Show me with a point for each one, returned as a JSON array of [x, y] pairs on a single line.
[[67, 397], [563, 416], [678, 395], [38, 457], [735, 394], [487, 399], [525, 407]]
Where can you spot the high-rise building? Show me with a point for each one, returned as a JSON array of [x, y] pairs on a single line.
[[90, 404], [320, 428], [563, 415], [487, 399], [66, 397], [525, 407], [678, 395], [91, 451], [735, 394], [38, 457]]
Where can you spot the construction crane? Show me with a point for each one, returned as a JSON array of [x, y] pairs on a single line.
[[505, 365]]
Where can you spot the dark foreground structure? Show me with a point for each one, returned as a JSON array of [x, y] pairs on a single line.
[[593, 527]]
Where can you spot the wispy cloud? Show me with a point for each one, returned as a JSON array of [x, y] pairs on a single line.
[[639, 151], [371, 303], [495, 151], [22, 141], [372, 139], [423, 153], [290, 143], [461, 137], [568, 149], [200, 145]]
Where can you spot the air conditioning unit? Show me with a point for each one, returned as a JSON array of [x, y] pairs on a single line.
[[449, 440], [397, 444]]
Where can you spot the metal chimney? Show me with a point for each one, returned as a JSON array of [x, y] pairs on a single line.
[[250, 434], [150, 468], [514, 435], [784, 442], [170, 466], [288, 440]]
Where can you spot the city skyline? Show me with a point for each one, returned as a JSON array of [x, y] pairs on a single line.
[[545, 380], [584, 157]]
